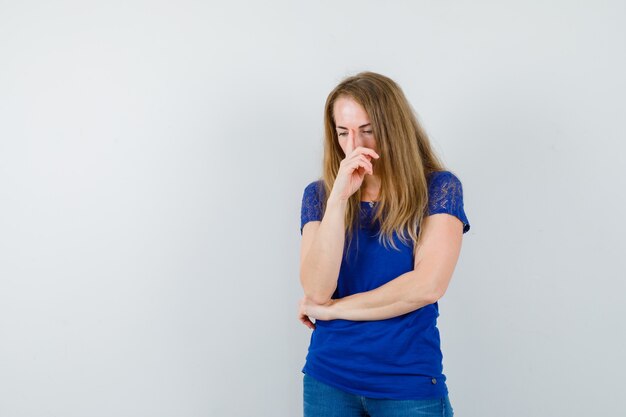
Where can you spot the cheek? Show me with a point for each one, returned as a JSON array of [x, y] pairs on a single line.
[[372, 143], [342, 146]]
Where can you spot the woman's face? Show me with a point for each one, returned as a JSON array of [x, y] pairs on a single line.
[[353, 125]]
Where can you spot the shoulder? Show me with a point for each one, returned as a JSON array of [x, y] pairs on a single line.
[[312, 203], [445, 195], [442, 183], [315, 185], [314, 190], [443, 178], [313, 194]]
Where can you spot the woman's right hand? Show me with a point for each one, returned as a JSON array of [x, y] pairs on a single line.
[[352, 170]]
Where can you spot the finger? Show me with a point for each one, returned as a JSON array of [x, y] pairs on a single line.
[[361, 157], [369, 164], [364, 168], [349, 144], [359, 163], [307, 322], [370, 152], [357, 154]]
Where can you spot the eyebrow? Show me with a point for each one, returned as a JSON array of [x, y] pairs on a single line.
[[365, 125]]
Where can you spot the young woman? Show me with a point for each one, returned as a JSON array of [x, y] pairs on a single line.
[[381, 235]]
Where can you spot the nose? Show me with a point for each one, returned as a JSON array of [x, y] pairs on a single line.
[[356, 139]]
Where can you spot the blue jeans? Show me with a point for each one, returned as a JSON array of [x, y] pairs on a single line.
[[322, 400]]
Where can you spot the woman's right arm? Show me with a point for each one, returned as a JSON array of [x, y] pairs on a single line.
[[322, 241], [321, 252]]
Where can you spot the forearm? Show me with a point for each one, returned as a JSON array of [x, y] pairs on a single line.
[[321, 265], [399, 296]]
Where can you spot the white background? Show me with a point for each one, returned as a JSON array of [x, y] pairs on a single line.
[[153, 156]]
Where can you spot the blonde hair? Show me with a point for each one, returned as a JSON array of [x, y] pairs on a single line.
[[406, 156]]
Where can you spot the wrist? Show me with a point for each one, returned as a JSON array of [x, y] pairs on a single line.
[[337, 202], [331, 310]]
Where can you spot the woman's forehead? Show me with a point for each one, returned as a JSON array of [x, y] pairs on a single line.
[[348, 112]]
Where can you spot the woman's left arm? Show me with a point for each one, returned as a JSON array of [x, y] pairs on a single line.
[[435, 259]]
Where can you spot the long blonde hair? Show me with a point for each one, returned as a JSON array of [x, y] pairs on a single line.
[[406, 157]]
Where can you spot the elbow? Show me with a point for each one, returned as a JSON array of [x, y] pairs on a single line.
[[319, 296], [434, 298], [436, 294], [429, 291], [424, 296], [317, 289], [424, 300], [319, 299]]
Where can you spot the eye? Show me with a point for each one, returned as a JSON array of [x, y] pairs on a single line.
[[369, 132], [342, 133]]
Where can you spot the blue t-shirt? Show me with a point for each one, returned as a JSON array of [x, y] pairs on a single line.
[[396, 358]]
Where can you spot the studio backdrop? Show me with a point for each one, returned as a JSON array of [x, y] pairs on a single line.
[[153, 157]]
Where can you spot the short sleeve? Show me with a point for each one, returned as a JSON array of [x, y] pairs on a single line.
[[445, 195], [311, 203]]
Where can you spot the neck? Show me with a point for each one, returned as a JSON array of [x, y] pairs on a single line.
[[370, 187]]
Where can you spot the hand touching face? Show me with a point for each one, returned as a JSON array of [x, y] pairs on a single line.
[[356, 138], [353, 125]]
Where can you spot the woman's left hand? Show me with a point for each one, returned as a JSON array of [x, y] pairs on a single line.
[[308, 310]]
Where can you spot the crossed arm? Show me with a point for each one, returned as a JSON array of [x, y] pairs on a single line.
[[435, 259]]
